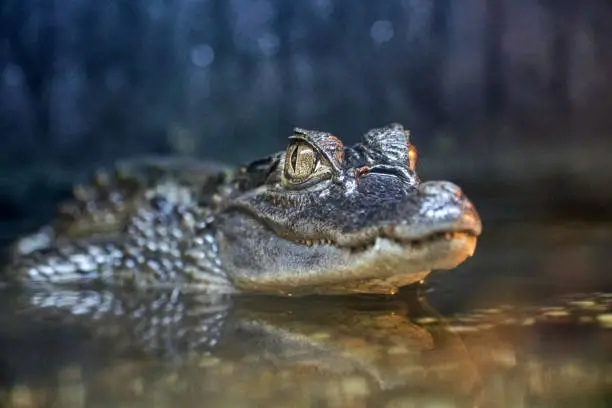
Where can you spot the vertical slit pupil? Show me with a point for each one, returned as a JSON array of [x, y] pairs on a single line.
[[294, 156]]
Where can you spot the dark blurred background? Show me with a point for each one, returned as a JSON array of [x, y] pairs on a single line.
[[509, 98]]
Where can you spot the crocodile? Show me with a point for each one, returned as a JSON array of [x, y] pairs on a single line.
[[316, 218]]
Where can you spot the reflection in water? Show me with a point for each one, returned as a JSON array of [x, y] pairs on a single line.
[[102, 348]]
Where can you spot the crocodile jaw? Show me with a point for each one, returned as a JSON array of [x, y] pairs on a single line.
[[397, 265], [381, 268]]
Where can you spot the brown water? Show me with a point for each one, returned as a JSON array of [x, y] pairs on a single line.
[[527, 322]]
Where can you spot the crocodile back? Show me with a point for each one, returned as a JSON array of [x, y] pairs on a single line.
[[103, 206]]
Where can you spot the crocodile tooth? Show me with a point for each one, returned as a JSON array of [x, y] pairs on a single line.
[[309, 242]]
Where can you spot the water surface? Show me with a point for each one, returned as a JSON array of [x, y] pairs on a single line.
[[526, 323]]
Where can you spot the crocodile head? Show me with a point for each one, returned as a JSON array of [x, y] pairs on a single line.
[[325, 218]]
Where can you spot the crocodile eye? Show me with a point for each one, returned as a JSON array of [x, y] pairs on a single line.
[[303, 160], [304, 166]]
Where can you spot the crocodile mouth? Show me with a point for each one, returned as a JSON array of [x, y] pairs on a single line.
[[380, 265], [372, 260], [412, 242]]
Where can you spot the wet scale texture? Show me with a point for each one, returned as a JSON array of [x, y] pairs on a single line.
[[164, 243]]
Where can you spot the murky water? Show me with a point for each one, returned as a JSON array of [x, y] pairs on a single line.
[[526, 323]]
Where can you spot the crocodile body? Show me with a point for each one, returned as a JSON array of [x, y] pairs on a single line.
[[317, 218]]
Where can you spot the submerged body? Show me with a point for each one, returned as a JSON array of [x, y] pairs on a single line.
[[317, 218]]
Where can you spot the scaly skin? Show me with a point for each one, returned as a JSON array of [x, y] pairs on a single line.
[[317, 218]]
